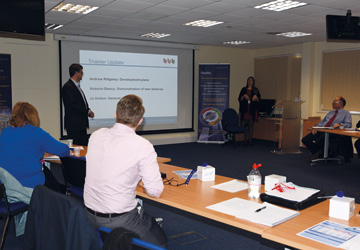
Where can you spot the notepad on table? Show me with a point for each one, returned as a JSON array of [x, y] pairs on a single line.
[[243, 209], [270, 216]]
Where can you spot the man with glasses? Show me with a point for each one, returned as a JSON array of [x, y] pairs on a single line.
[[77, 109], [336, 118], [117, 161]]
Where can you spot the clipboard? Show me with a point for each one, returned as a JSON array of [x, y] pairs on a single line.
[[312, 200]]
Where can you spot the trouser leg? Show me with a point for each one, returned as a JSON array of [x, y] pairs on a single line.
[[314, 142], [357, 146]]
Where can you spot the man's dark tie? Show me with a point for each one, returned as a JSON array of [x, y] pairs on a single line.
[[328, 124]]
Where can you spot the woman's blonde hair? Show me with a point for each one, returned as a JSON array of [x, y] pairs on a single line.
[[24, 113]]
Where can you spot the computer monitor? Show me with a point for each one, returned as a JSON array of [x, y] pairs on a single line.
[[266, 107]]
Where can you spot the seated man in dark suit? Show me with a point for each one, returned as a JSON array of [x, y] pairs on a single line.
[[314, 141]]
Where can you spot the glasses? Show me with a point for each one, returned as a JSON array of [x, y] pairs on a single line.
[[173, 182], [336, 102]]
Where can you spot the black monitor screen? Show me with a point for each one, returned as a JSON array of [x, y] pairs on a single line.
[[266, 107], [22, 19], [342, 28]]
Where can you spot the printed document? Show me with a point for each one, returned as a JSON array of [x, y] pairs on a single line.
[[332, 234]]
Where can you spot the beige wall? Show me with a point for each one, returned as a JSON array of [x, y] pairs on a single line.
[[35, 77]]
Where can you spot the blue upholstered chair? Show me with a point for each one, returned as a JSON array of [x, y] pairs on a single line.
[[230, 124], [7, 210]]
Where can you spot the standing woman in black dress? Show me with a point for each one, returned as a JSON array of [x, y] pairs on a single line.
[[249, 99]]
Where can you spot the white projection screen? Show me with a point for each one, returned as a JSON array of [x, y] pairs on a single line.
[[163, 77]]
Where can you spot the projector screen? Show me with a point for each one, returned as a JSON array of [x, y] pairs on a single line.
[[162, 77]]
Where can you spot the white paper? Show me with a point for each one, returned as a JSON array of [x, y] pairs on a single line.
[[270, 216], [330, 233], [81, 148], [299, 194], [323, 127], [232, 186], [352, 244], [51, 158], [234, 206]]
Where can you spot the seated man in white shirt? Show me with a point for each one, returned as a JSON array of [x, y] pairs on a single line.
[[117, 161]]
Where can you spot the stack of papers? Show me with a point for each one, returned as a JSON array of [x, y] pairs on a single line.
[[323, 127], [265, 214], [298, 195], [51, 158]]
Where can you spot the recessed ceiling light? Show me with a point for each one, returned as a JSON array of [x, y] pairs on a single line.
[[74, 8], [294, 34], [155, 35], [50, 26], [236, 42], [280, 5], [203, 23]]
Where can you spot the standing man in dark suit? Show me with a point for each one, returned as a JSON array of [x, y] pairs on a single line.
[[77, 109]]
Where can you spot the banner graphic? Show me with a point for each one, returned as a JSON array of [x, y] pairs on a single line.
[[5, 90], [214, 80]]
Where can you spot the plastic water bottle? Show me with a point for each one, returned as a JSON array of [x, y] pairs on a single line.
[[254, 181]]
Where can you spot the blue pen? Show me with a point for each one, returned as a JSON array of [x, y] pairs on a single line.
[[189, 177]]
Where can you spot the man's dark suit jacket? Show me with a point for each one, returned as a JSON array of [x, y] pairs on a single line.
[[76, 110]]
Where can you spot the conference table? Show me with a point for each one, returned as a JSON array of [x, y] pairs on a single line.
[[195, 197], [327, 131], [83, 152]]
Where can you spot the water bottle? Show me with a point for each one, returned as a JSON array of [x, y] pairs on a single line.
[[254, 181]]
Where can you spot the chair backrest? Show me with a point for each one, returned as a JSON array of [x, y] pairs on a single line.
[[74, 170], [229, 118], [55, 221], [4, 206]]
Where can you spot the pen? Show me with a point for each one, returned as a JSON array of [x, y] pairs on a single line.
[[189, 177], [258, 210]]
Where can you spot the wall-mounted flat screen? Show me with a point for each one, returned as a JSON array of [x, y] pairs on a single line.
[[24, 19]]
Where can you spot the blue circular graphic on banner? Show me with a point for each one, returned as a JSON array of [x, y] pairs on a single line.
[[210, 116]]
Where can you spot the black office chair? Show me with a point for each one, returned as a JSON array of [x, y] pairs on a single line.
[[74, 171], [8, 210], [57, 222], [230, 124]]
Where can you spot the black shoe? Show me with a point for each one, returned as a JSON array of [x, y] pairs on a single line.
[[315, 156]]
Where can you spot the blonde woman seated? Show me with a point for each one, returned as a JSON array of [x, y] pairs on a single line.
[[23, 144]]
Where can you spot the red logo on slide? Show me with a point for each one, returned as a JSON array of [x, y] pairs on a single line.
[[168, 60]]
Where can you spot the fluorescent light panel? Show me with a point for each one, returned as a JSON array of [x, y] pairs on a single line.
[[236, 42], [203, 23], [294, 34], [74, 8], [155, 35], [280, 5], [50, 26]]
